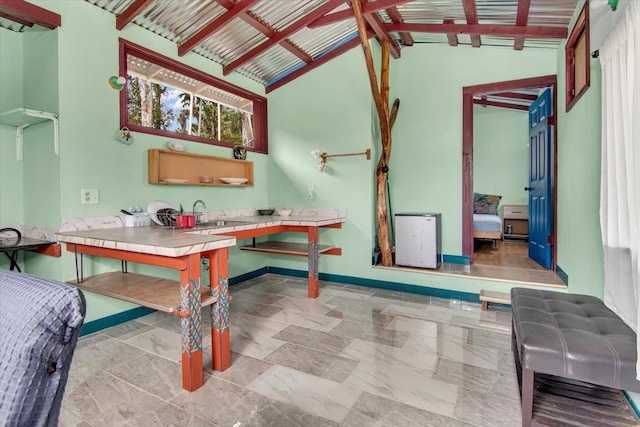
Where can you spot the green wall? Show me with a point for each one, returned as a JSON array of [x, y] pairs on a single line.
[[501, 153], [11, 192], [86, 51], [330, 109]]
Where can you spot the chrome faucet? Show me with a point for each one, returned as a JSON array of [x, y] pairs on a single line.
[[199, 215]]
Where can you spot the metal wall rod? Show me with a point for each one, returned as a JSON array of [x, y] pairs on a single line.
[[362, 153]]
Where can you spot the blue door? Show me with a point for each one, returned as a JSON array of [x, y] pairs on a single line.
[[540, 214]]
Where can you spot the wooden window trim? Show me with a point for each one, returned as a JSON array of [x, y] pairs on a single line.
[[580, 30], [259, 102]]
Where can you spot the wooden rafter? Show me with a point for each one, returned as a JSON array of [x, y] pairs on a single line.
[[130, 13], [452, 37], [29, 14], [471, 14], [521, 19], [317, 62], [489, 30], [279, 37], [367, 7], [381, 32], [256, 22], [488, 103], [395, 16], [215, 25]]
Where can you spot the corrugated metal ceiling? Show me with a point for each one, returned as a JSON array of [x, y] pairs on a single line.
[[179, 20]]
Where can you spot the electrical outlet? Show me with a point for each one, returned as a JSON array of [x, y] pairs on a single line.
[[89, 196], [311, 190]]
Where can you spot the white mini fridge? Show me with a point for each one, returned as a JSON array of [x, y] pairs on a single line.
[[418, 242]]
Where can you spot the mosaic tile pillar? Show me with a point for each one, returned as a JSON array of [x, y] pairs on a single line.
[[191, 325], [220, 338], [314, 258]]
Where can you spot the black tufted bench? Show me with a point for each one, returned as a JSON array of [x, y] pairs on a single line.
[[572, 336]]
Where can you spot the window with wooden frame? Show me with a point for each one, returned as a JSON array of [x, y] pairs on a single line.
[[167, 98], [577, 55]]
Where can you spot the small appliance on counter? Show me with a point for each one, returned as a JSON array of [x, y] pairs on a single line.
[[418, 239]]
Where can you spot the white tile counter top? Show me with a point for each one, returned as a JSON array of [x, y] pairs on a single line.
[[178, 242], [148, 240], [254, 222]]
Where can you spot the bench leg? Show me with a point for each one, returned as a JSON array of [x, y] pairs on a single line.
[[527, 396]]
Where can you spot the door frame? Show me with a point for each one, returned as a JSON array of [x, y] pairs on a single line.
[[468, 92]]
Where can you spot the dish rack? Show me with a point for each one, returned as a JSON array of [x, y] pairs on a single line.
[[136, 220]]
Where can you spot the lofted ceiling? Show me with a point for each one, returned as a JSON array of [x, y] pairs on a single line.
[[276, 41]]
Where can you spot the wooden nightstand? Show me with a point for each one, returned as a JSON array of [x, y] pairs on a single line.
[[515, 222]]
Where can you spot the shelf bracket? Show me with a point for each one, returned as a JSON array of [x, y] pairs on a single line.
[[22, 118]]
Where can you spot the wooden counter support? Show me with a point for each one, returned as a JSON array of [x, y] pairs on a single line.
[[220, 338], [191, 301], [314, 257], [192, 372]]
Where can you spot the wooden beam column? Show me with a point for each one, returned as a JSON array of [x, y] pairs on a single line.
[[382, 107]]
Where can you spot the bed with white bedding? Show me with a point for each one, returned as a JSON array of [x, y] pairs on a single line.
[[487, 226]]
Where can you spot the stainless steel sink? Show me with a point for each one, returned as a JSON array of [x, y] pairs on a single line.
[[219, 223]]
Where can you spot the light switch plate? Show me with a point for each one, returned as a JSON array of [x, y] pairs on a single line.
[[89, 196]]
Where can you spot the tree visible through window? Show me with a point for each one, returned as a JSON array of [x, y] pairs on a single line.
[[164, 97]]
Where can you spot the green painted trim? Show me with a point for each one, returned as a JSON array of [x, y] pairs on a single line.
[[113, 320], [248, 276], [632, 402], [456, 259], [563, 275], [382, 284], [125, 316]]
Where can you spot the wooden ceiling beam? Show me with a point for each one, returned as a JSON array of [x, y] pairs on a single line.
[[370, 7], [26, 13], [487, 103], [452, 37], [130, 13], [488, 30], [214, 26], [521, 19], [279, 37], [323, 59], [257, 23], [471, 14], [381, 32], [395, 16], [515, 95]]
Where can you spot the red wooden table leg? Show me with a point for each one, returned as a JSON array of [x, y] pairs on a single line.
[[314, 257], [220, 339], [192, 369]]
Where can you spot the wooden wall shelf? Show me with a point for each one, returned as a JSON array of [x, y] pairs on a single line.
[[172, 167]]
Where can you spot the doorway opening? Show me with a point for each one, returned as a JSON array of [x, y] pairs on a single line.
[[514, 94]]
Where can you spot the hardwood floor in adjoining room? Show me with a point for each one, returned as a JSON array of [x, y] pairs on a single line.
[[510, 262]]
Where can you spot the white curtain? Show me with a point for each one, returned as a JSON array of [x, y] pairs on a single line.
[[620, 182]]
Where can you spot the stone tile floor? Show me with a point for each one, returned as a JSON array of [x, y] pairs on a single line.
[[355, 356]]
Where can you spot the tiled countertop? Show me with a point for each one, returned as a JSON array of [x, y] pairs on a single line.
[[178, 242], [148, 240]]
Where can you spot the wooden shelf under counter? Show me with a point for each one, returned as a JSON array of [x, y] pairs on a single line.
[[288, 248], [177, 165], [151, 292]]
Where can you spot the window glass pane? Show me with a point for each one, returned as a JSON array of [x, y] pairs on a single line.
[[163, 99]]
